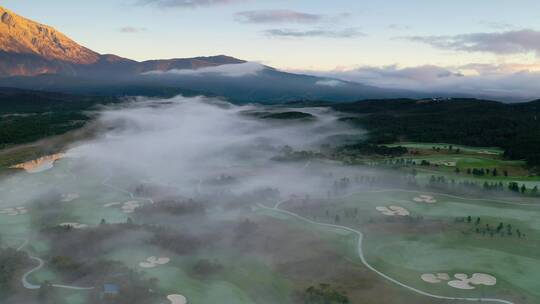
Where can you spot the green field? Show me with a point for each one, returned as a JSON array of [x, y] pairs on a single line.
[[404, 248], [429, 146], [287, 255]]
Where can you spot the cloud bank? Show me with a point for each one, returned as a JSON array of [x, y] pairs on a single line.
[[506, 82], [184, 141], [292, 33], [330, 83], [226, 70], [186, 3], [132, 29], [505, 43], [277, 16]]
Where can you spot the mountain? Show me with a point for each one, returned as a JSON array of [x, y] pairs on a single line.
[[37, 56], [22, 36], [28, 48]]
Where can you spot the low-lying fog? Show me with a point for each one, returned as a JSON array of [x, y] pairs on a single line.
[[193, 143]]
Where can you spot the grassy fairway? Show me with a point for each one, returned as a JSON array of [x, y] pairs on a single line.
[[407, 248], [285, 256], [429, 146]]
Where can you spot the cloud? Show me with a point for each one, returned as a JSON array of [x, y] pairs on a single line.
[[186, 3], [277, 16], [330, 83], [132, 30], [166, 139], [290, 33], [498, 25], [227, 70], [398, 27], [514, 81], [509, 42]]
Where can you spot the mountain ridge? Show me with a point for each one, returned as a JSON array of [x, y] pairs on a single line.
[[37, 56], [24, 36], [29, 48]]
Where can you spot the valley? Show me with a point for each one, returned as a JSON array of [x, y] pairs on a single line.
[[370, 226], [269, 152]]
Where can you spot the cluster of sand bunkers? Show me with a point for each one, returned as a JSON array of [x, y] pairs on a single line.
[[393, 211], [428, 199], [127, 207], [153, 261], [13, 211], [462, 280]]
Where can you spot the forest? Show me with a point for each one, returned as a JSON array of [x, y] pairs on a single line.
[[512, 127], [26, 116]]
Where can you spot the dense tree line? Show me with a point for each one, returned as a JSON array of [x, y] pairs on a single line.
[[513, 127], [324, 294], [12, 263], [26, 116], [371, 149]]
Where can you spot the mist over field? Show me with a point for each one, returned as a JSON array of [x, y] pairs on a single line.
[[274, 165], [189, 141]]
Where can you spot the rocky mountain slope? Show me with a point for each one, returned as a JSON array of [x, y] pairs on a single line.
[[29, 48], [23, 36]]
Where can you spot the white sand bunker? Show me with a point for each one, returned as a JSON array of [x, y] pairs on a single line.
[[74, 225], [13, 211], [462, 280], [129, 207], [153, 261], [69, 197], [393, 211], [435, 278], [425, 199], [445, 163], [177, 299]]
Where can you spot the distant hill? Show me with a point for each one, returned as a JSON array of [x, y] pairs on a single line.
[[37, 56]]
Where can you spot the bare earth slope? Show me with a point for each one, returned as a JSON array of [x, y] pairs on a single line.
[[23, 36]]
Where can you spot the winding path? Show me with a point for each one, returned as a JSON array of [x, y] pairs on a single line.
[[370, 267], [41, 263]]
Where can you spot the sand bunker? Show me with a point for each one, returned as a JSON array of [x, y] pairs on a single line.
[[40, 164], [153, 261], [129, 207], [74, 225], [445, 163], [425, 199], [69, 197], [462, 280], [435, 278], [177, 299], [393, 211], [13, 211]]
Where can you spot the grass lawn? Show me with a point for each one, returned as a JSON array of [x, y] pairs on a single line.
[[404, 252]]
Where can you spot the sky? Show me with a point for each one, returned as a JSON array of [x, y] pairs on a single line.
[[379, 42]]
